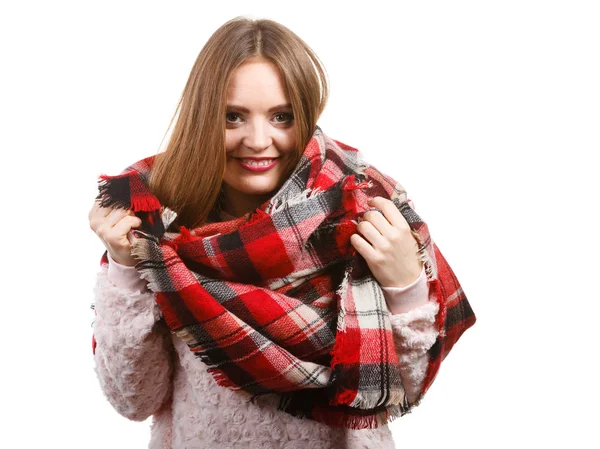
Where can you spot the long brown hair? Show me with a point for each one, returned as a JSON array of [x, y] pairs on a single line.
[[188, 175]]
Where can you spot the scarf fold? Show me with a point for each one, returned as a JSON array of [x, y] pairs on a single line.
[[278, 301]]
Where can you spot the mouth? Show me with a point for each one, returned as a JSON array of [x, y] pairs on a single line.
[[258, 164]]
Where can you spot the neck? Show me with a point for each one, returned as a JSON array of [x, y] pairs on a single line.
[[236, 205]]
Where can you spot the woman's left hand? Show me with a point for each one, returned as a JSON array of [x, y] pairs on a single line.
[[387, 244]]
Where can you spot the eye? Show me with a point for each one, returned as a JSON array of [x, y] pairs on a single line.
[[231, 117], [284, 117]]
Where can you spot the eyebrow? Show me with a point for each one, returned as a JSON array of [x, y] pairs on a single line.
[[274, 108]]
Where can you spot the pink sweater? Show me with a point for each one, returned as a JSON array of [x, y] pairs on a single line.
[[144, 370]]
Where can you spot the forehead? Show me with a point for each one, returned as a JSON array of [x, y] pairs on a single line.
[[256, 81]]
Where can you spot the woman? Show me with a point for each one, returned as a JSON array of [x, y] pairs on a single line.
[[247, 273]]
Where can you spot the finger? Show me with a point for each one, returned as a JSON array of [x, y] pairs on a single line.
[[363, 247], [97, 216], [96, 210], [115, 215], [372, 235], [98, 206], [125, 225], [105, 224], [381, 223], [390, 211]]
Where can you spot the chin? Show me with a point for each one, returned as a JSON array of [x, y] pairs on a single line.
[[254, 186], [260, 190]]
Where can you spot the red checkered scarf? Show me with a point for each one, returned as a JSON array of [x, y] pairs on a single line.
[[279, 301]]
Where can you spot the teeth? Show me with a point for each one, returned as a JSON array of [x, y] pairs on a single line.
[[257, 163]]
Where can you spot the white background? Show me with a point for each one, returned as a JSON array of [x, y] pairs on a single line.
[[487, 112]]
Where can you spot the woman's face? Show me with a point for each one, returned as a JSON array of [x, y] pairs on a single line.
[[259, 125]]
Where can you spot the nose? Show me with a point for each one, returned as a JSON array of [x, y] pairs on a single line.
[[258, 138]]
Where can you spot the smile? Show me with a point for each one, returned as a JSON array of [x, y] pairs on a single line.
[[260, 166]]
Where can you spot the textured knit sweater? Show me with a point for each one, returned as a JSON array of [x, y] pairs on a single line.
[[146, 371]]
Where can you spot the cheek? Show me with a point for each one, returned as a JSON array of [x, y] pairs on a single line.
[[287, 141], [231, 140]]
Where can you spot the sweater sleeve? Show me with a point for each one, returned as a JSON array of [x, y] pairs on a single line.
[[414, 335], [413, 327], [125, 277], [133, 350], [403, 299]]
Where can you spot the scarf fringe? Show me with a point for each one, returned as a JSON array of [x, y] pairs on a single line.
[[341, 419], [144, 203], [350, 183], [370, 401], [340, 293], [434, 288], [168, 216], [295, 402], [423, 256], [185, 236], [217, 374], [109, 185], [255, 216], [105, 194], [355, 422], [140, 249], [278, 204]]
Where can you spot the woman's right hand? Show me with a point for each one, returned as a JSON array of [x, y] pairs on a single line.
[[112, 226]]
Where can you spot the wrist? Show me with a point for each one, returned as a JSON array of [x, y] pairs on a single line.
[[408, 281], [118, 261], [402, 299], [123, 276]]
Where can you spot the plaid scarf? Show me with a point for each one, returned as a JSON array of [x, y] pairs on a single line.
[[278, 301]]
